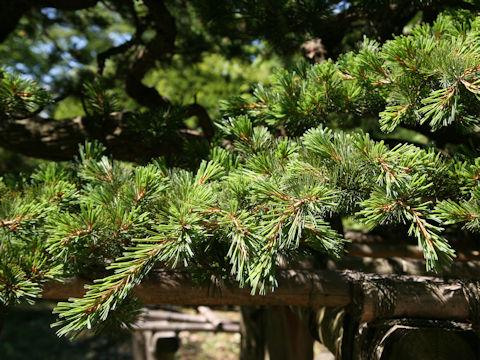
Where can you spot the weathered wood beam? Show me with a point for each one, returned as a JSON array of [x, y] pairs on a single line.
[[376, 296], [173, 316], [177, 326], [209, 315], [414, 297], [401, 250], [296, 287], [404, 266]]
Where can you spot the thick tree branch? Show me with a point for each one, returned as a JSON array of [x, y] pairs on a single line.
[[203, 119], [144, 95], [103, 56], [58, 139], [11, 12], [64, 4], [161, 47]]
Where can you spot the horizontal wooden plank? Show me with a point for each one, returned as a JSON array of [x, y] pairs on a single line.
[[296, 287], [184, 326], [376, 296]]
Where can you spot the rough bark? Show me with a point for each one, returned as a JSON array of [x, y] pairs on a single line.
[[302, 288], [404, 266], [393, 339], [58, 139], [413, 339]]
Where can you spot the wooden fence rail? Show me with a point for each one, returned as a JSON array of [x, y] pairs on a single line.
[[377, 296]]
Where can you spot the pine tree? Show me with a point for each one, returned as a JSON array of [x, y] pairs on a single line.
[[154, 53], [281, 170]]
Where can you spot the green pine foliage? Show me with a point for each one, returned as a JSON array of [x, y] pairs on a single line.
[[19, 97], [259, 197], [429, 77]]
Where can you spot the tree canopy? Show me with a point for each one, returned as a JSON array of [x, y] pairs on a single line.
[[67, 44], [267, 180], [260, 196]]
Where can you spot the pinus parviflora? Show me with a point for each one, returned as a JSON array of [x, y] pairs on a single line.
[[283, 169]]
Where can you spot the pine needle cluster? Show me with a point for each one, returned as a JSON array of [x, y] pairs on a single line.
[[260, 197]]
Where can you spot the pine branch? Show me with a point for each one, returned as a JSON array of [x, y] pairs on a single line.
[[429, 77], [263, 197]]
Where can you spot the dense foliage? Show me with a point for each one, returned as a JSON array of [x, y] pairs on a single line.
[[154, 55], [261, 195]]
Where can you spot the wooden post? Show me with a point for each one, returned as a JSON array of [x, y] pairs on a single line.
[[287, 336], [154, 345], [252, 327], [367, 297], [276, 331]]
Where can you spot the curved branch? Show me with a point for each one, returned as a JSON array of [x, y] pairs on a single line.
[[161, 47], [11, 12], [65, 4], [144, 95], [203, 119], [58, 139], [103, 56]]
